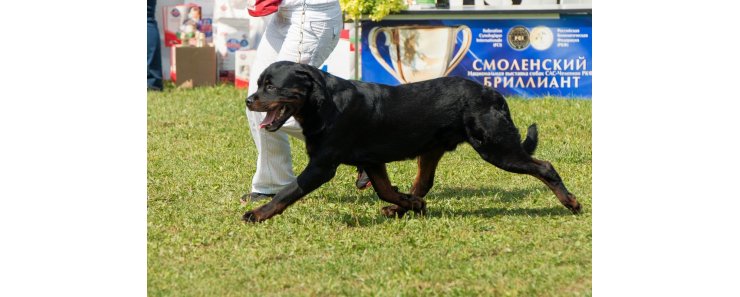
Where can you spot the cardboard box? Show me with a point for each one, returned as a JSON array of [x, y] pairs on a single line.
[[195, 66]]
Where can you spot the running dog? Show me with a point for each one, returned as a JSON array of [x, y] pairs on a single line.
[[367, 125]]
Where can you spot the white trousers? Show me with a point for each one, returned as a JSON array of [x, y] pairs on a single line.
[[320, 25]]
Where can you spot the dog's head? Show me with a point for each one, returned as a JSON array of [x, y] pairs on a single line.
[[284, 89]]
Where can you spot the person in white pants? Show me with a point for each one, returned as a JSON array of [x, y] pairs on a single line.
[[303, 31]]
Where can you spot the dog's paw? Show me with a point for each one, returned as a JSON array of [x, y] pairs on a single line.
[[575, 209], [573, 204], [417, 204], [393, 211], [251, 217]]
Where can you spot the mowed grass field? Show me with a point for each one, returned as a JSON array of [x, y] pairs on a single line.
[[487, 232]]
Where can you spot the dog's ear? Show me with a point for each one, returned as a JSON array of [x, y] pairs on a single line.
[[319, 98], [318, 93], [261, 78]]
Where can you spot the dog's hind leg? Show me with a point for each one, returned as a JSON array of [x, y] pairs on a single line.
[[427, 165], [499, 145], [386, 192], [543, 170]]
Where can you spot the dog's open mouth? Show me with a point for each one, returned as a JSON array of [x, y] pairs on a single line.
[[276, 118]]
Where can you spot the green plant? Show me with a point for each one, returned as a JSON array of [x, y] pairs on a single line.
[[375, 9]]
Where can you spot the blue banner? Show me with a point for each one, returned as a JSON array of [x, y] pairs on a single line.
[[517, 57]]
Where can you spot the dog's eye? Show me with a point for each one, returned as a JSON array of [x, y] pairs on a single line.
[[269, 88]]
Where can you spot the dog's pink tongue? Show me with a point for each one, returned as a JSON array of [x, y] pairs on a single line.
[[269, 118]]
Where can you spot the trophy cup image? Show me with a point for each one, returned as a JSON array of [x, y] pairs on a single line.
[[420, 53]]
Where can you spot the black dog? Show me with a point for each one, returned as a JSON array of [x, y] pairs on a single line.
[[368, 125]]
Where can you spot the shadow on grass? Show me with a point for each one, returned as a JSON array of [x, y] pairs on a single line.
[[507, 196], [490, 212], [368, 196]]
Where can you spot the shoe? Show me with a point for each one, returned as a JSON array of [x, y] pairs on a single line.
[[363, 181], [254, 197]]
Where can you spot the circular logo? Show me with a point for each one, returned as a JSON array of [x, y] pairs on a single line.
[[518, 38], [541, 38], [175, 12], [233, 44]]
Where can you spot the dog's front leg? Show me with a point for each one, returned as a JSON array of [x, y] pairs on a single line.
[[389, 193], [315, 175]]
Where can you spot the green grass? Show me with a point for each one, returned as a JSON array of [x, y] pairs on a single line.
[[488, 232]]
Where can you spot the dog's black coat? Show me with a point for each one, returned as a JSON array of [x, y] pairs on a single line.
[[368, 125]]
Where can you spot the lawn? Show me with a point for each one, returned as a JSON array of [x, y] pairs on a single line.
[[487, 232]]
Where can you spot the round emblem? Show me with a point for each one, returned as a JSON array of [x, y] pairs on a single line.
[[518, 38], [541, 38], [175, 12], [233, 44]]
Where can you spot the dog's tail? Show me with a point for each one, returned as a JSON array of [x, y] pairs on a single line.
[[530, 142]]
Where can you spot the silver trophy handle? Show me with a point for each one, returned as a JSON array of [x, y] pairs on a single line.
[[372, 42], [464, 46]]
